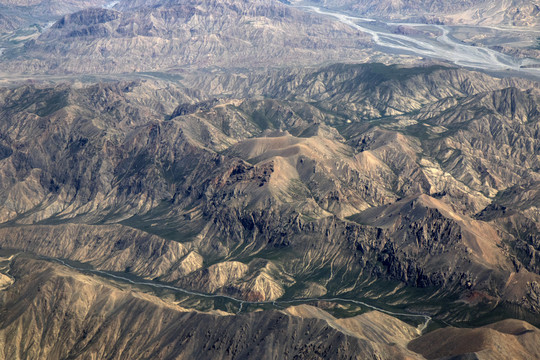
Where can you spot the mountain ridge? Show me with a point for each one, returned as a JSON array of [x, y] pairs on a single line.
[[238, 180]]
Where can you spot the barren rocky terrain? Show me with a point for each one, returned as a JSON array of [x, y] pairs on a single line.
[[259, 179], [94, 318], [184, 34], [344, 170]]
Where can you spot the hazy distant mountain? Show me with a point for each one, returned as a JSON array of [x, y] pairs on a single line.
[[172, 36], [181, 34], [48, 7], [15, 15]]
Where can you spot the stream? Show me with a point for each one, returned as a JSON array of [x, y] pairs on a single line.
[[241, 303]]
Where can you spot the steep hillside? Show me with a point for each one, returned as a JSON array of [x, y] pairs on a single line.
[[302, 193], [51, 311], [506, 339], [86, 316]]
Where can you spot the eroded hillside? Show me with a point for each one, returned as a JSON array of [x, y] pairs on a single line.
[[300, 193]]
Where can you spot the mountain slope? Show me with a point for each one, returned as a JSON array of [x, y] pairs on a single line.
[[180, 35], [506, 339], [86, 316], [298, 193], [17, 15]]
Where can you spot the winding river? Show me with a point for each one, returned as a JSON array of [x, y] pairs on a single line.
[[443, 46], [426, 318]]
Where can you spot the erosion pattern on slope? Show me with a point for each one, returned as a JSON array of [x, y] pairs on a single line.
[[88, 316], [184, 34], [300, 193]]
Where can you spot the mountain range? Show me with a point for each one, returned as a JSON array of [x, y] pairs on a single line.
[[335, 182], [234, 179], [183, 34]]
